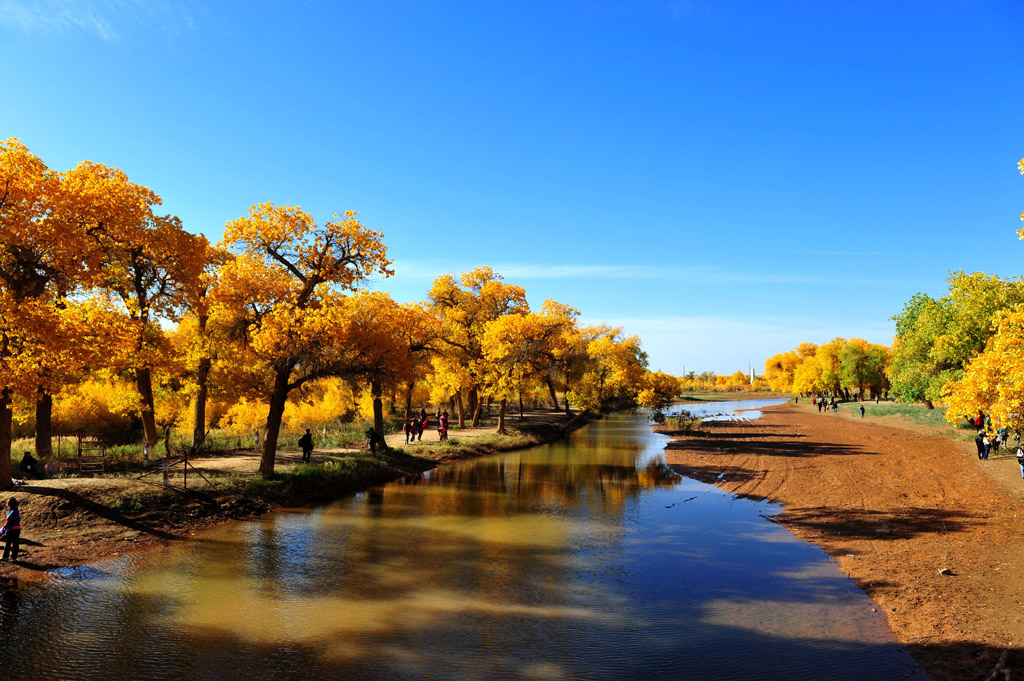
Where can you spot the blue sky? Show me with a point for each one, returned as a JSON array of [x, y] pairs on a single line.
[[725, 179]]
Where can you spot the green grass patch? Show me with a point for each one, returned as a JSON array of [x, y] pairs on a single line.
[[914, 414], [132, 503], [310, 482]]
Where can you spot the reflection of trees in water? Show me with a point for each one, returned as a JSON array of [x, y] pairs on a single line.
[[524, 484]]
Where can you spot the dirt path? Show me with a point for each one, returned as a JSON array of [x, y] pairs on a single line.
[[894, 507]]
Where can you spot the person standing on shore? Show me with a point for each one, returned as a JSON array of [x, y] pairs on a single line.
[[306, 442], [11, 530]]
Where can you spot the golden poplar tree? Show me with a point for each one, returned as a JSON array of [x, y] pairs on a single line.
[[288, 290], [465, 307], [144, 260], [42, 263]]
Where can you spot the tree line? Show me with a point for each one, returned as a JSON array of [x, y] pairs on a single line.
[[963, 350], [100, 292], [841, 367]]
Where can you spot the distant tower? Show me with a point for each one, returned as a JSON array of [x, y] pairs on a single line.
[[751, 375]]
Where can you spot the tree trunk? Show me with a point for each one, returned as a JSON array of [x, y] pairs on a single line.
[[44, 425], [277, 401], [144, 384], [476, 408], [521, 417], [199, 412], [408, 400], [501, 416], [551, 389], [462, 410], [378, 413], [6, 436], [474, 405]]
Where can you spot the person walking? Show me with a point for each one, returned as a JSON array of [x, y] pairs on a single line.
[[407, 429], [979, 442], [11, 530], [862, 411], [988, 447], [306, 442], [371, 439], [442, 426], [1020, 460]]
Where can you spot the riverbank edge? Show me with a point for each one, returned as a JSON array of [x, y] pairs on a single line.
[[156, 515], [973, 659]]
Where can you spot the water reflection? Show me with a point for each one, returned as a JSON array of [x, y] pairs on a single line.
[[733, 410], [584, 559]]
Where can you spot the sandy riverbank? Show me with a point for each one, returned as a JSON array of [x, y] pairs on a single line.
[[893, 506]]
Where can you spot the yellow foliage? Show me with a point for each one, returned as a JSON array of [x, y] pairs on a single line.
[[318, 404], [779, 370], [245, 417], [657, 389], [993, 382], [99, 403], [464, 309]]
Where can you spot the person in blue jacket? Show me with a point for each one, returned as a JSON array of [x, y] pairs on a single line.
[[11, 530]]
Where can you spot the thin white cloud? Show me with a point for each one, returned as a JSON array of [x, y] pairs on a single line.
[[107, 19], [409, 269]]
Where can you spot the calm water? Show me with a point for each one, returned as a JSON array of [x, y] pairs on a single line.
[[585, 559], [731, 410]]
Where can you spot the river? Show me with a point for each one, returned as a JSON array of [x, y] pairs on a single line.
[[583, 559]]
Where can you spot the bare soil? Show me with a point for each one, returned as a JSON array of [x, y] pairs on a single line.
[[930, 532]]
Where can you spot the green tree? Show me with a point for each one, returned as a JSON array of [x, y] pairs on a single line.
[[935, 339]]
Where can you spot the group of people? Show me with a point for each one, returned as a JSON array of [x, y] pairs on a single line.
[[414, 428], [831, 404], [826, 405], [988, 440]]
